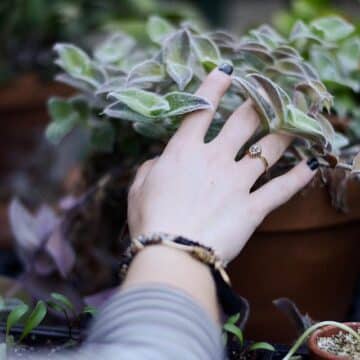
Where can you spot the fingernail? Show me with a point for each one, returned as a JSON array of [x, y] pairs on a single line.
[[226, 68], [313, 163]]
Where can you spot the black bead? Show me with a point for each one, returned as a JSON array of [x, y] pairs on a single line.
[[226, 68]]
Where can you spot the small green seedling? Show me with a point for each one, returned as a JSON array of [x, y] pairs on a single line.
[[62, 304], [230, 327], [18, 315]]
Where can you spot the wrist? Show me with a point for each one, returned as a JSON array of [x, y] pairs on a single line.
[[175, 268]]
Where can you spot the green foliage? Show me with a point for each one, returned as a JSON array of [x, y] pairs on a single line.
[[332, 47], [34, 319], [62, 302], [15, 316], [152, 86], [230, 327], [22, 50]]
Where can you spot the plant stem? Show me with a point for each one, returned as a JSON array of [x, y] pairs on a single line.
[[311, 329]]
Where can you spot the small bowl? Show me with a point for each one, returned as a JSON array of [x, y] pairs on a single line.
[[316, 353]]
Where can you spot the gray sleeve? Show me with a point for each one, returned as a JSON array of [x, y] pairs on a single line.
[[152, 323]]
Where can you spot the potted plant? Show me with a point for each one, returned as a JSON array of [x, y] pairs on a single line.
[[307, 235], [26, 69], [125, 85]]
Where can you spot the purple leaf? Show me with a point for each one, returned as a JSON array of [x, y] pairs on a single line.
[[45, 221], [291, 311], [60, 251], [23, 227]]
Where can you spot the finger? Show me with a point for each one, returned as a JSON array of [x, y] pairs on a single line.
[[240, 126], [272, 148], [142, 173], [212, 89], [281, 189]]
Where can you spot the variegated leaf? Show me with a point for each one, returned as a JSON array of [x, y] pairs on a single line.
[[304, 126], [159, 29], [78, 64], [278, 98], [264, 109], [144, 102], [150, 71], [333, 28], [118, 110], [176, 53], [182, 103], [114, 49], [206, 51]]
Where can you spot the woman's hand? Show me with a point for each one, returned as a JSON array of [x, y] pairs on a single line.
[[199, 191]]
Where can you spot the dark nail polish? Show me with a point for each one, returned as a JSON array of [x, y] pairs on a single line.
[[313, 164], [226, 68]]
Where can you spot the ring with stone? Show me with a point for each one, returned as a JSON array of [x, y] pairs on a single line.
[[255, 152]]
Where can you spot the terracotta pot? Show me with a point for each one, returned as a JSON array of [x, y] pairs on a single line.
[[306, 251], [315, 352], [23, 110]]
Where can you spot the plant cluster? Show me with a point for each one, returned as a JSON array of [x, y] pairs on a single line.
[[232, 329], [335, 55], [153, 87], [67, 20], [19, 313]]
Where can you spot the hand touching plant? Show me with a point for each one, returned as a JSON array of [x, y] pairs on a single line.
[[198, 190]]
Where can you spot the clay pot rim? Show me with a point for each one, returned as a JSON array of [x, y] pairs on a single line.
[[327, 331]]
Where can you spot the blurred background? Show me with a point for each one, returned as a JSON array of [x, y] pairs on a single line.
[[37, 172]]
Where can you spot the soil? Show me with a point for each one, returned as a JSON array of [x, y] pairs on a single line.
[[341, 344]]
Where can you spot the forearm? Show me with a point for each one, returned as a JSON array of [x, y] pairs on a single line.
[[171, 267]]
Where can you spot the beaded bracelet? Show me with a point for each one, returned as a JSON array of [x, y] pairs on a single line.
[[231, 302], [200, 252]]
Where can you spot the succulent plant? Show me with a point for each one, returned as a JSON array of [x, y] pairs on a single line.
[[153, 87]]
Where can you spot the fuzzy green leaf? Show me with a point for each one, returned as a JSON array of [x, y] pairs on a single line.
[[143, 102], [301, 32], [349, 55], [206, 51], [118, 110], [34, 319], [325, 64], [158, 29], [149, 71], [278, 98], [15, 316], [176, 53], [264, 109], [261, 346], [114, 49], [183, 103], [317, 93], [78, 64], [65, 114], [233, 329], [302, 125], [63, 301], [333, 28]]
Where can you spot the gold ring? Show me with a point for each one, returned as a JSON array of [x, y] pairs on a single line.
[[255, 151]]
